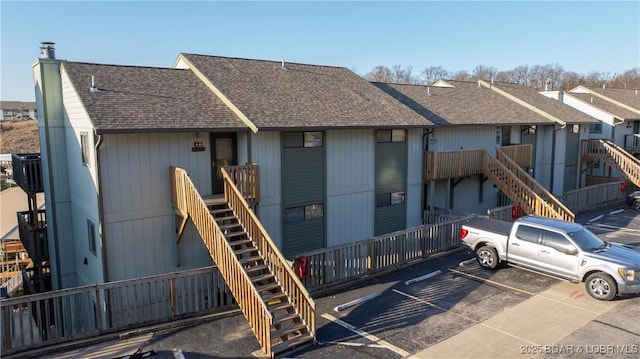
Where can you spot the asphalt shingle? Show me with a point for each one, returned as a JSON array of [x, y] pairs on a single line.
[[303, 96], [148, 99]]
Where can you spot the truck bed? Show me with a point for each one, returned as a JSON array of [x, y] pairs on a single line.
[[491, 225]]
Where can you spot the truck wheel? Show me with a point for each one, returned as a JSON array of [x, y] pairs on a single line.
[[487, 257], [636, 205], [601, 286]]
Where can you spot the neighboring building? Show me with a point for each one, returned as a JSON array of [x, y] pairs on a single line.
[[618, 112], [339, 159], [17, 110], [471, 115]]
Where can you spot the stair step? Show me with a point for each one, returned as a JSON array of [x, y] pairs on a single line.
[[239, 252], [284, 332], [289, 316], [235, 234], [268, 287], [230, 226], [256, 268], [222, 219], [220, 210], [298, 342], [249, 260], [239, 242], [272, 296], [280, 306], [262, 277]]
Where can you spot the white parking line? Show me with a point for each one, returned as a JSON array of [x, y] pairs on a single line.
[[364, 334], [356, 302], [616, 212], [424, 277], [596, 218], [609, 227], [467, 262]]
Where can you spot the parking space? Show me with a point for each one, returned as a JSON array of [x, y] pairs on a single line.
[[451, 307]]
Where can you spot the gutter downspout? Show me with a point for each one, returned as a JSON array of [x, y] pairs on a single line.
[[105, 267]]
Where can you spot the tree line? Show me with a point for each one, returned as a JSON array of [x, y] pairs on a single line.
[[553, 76]]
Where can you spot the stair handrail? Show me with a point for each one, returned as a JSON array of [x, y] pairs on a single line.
[[278, 265], [513, 166], [614, 156], [186, 198], [517, 190]]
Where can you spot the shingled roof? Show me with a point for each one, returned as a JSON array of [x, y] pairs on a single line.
[[147, 99], [546, 104], [626, 97], [462, 103], [301, 96]]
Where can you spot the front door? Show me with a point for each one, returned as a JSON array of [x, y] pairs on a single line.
[[223, 153]]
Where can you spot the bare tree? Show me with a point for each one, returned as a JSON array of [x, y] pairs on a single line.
[[403, 76], [434, 73], [379, 74], [570, 80], [547, 76], [629, 79], [482, 72], [462, 75]]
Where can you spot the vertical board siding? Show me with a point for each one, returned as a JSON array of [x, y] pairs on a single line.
[[465, 138], [303, 183], [139, 221], [265, 151], [350, 185], [415, 160]]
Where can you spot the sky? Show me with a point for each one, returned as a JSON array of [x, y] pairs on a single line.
[[581, 36]]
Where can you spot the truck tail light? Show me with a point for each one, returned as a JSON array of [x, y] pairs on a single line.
[[463, 233]]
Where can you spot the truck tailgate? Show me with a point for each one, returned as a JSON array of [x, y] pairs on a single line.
[[491, 225]]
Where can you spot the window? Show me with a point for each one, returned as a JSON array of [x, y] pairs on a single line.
[[84, 144], [389, 199], [529, 130], [303, 139], [595, 128], [91, 228], [384, 136], [303, 213], [570, 169], [574, 129], [528, 234], [558, 242]]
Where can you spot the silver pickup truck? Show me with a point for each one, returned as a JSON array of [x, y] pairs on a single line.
[[556, 248]]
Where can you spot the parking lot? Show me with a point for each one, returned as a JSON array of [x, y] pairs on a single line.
[[451, 308]]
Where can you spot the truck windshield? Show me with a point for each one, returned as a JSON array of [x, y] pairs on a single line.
[[586, 240]]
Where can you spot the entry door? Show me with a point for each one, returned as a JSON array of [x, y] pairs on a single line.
[[223, 153]]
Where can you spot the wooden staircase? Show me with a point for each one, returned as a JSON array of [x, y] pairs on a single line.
[[274, 301], [505, 172], [559, 208], [614, 156]]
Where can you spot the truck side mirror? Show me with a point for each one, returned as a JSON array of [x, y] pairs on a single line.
[[572, 251]]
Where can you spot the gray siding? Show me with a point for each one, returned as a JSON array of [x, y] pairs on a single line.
[[266, 152], [415, 158], [350, 185], [139, 221], [572, 165]]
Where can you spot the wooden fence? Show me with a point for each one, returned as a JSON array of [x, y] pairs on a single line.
[[588, 197], [39, 320], [346, 263]]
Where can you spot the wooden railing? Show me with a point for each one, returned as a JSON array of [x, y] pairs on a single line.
[[354, 262], [187, 200], [518, 191], [280, 268], [564, 212], [33, 234], [40, 320], [614, 156], [520, 154], [589, 197], [452, 164], [27, 172], [247, 180]]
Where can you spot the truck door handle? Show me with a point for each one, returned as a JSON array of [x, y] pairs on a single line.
[[544, 251], [515, 244]]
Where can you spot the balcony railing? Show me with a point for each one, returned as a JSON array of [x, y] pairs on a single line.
[[33, 234], [27, 172], [632, 143]]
